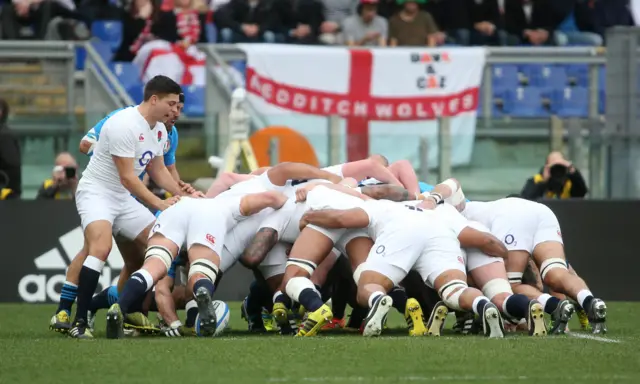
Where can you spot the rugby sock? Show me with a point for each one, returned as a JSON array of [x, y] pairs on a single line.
[[192, 312], [104, 299], [310, 299], [89, 276], [339, 301], [478, 304], [134, 289], [399, 297], [516, 306], [67, 297], [550, 303], [206, 283], [584, 298], [357, 317], [281, 297], [375, 296]]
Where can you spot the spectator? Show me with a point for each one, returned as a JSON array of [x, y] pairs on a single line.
[[335, 12], [414, 27], [558, 179], [250, 21], [577, 26], [10, 161], [452, 17], [64, 180], [366, 28], [530, 22], [136, 29], [303, 20], [610, 13], [38, 14], [487, 23]]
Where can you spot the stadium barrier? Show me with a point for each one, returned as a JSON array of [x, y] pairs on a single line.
[[39, 239]]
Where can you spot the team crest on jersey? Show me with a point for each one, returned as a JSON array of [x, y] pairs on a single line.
[[167, 146], [211, 239], [159, 136], [141, 137]]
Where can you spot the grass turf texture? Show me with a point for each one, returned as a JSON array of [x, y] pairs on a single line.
[[30, 353]]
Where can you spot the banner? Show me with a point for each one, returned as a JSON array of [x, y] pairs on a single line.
[[391, 94]]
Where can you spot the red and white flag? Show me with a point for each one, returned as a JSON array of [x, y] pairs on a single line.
[[388, 98]]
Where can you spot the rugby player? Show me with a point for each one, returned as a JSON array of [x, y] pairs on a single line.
[[130, 140], [531, 230], [406, 237], [61, 320]]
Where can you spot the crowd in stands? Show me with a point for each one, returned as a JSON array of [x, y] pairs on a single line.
[[352, 22]]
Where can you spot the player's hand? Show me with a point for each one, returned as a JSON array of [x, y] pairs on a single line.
[[198, 194], [186, 187], [164, 204], [428, 203], [303, 222], [173, 330]]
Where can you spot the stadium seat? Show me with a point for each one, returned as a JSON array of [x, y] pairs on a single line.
[[136, 92], [194, 98], [127, 73], [525, 102], [81, 55], [550, 76], [211, 32], [571, 102], [240, 65], [602, 100], [578, 74], [505, 77], [109, 31], [103, 49], [602, 78]]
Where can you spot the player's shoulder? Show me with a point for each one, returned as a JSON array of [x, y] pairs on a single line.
[[123, 117]]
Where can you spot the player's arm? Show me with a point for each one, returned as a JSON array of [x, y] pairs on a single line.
[[256, 202], [362, 169], [449, 190], [163, 178], [225, 181], [88, 142], [387, 192], [336, 218], [486, 242], [164, 299], [301, 193], [260, 246], [133, 184], [282, 172]]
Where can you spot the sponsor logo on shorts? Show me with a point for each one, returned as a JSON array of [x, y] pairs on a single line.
[[509, 240], [559, 233], [211, 239], [380, 249]]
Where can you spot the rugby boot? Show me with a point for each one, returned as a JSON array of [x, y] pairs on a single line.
[[597, 316], [492, 321], [91, 320], [437, 319], [208, 321], [80, 330], [315, 321], [280, 314], [335, 324], [60, 322], [377, 316], [535, 319], [583, 318], [414, 317], [464, 322], [269, 322], [140, 322], [115, 322], [254, 322], [561, 316]]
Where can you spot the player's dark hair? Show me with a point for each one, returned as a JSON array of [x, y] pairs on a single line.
[[181, 98], [161, 86]]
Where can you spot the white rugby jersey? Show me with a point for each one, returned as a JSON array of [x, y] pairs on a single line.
[[335, 169], [487, 212], [125, 134]]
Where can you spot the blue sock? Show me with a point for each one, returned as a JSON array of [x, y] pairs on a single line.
[[281, 297], [310, 299], [551, 305], [206, 283], [399, 297], [257, 297], [104, 299], [133, 291], [480, 306], [516, 306], [67, 297]]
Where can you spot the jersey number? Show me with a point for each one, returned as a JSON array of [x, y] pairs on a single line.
[[414, 208]]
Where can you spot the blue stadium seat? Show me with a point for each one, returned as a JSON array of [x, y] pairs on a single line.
[[526, 102], [136, 92], [571, 102], [240, 65], [602, 99], [127, 73], [602, 78], [109, 31], [194, 98], [103, 49], [81, 55], [505, 77], [578, 74], [551, 76]]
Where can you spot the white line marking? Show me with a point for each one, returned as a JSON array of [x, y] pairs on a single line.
[[594, 338], [461, 378]]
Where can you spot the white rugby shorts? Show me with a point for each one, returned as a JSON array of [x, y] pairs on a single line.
[[526, 227], [127, 216]]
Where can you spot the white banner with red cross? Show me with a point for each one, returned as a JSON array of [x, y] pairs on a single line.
[[388, 97]]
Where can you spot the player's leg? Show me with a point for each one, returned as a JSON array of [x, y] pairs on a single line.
[[309, 250], [341, 280], [490, 276], [203, 273], [404, 172], [61, 321]]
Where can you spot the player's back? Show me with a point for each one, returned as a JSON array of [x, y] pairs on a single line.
[[125, 134]]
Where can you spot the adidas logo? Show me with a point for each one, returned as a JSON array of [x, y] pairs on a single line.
[[52, 265]]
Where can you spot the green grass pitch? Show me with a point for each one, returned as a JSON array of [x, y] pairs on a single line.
[[30, 353]]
